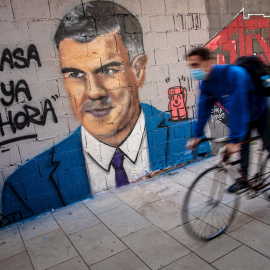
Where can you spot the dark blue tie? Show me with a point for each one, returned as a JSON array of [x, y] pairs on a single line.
[[120, 174]]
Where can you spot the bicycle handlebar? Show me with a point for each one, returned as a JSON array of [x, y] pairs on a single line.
[[227, 139]]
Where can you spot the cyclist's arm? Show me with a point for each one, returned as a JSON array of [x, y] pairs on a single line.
[[206, 103]]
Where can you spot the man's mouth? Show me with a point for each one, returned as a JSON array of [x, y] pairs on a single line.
[[99, 112]]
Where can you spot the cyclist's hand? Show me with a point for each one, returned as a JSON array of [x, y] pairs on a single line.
[[193, 143], [232, 148]]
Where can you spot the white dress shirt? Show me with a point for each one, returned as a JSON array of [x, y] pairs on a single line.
[[98, 157]]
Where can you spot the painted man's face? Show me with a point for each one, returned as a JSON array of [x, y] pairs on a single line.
[[102, 85]]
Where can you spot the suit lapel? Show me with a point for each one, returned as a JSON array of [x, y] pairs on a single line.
[[69, 175], [157, 134]]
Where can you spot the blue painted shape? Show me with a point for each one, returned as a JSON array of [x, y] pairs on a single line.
[[63, 166], [159, 136], [176, 152], [157, 156], [70, 194], [37, 187], [44, 165], [70, 177], [53, 200], [183, 129], [38, 204], [18, 177], [13, 203], [77, 158]]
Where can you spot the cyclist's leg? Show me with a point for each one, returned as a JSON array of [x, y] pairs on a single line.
[[264, 129], [264, 132], [244, 154]]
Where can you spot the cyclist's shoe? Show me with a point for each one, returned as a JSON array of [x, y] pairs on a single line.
[[240, 184]]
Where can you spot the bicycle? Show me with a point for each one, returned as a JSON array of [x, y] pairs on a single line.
[[206, 208]]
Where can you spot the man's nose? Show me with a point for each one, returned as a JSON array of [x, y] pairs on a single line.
[[95, 88]]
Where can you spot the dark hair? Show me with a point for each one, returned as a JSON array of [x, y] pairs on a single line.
[[90, 20], [203, 52]]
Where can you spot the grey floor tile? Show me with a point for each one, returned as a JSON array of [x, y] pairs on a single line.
[[257, 208], [176, 194], [37, 225], [199, 166], [76, 263], [240, 220], [209, 251], [170, 190], [155, 247], [10, 242], [102, 202], [156, 185], [96, 243], [218, 189], [185, 177], [53, 245], [214, 215], [75, 218], [189, 262], [125, 260], [135, 196], [17, 262], [243, 258], [255, 235], [123, 220], [164, 214]]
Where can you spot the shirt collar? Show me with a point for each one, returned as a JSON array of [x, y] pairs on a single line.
[[103, 153]]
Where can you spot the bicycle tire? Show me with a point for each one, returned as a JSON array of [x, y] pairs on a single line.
[[215, 221]]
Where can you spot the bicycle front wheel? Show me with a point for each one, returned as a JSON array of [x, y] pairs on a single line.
[[206, 204]]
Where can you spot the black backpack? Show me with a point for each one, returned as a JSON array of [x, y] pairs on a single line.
[[259, 72]]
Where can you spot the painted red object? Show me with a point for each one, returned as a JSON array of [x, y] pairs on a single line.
[[177, 104], [242, 37]]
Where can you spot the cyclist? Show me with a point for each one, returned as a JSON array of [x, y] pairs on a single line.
[[233, 88]]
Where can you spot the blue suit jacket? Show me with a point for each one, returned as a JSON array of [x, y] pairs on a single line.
[[58, 177]]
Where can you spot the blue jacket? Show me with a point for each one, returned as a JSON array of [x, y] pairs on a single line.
[[234, 89], [58, 177]]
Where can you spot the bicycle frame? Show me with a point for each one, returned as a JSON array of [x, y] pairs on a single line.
[[259, 187]]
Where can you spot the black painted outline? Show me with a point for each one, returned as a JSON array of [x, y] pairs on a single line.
[[33, 136]]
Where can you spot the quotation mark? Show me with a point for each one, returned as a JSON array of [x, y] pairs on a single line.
[[54, 97]]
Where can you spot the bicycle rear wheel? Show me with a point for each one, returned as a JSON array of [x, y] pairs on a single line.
[[212, 215]]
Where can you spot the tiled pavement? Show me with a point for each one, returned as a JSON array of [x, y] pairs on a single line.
[[137, 227]]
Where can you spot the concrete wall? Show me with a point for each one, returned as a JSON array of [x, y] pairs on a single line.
[[255, 40], [36, 111]]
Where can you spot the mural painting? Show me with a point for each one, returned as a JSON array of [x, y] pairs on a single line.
[[120, 140], [243, 36], [177, 104]]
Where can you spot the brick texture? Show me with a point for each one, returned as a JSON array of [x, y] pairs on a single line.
[[170, 29]]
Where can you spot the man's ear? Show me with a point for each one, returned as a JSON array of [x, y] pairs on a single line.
[[138, 66]]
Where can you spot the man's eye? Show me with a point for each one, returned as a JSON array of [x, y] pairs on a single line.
[[75, 75], [110, 71]]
